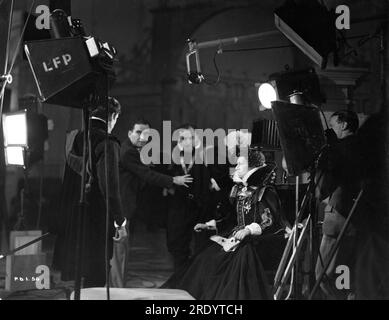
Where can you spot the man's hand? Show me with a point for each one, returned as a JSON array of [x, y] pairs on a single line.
[[210, 225], [183, 180], [200, 227], [241, 234], [120, 234]]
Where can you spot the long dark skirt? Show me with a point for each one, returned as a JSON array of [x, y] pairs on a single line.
[[215, 274]]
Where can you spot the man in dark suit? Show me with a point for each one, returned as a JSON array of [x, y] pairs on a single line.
[[339, 187], [134, 176], [187, 206]]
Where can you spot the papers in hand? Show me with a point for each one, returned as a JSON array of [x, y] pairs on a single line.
[[228, 244]]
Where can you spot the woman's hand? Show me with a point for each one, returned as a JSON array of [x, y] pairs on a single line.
[[241, 234]]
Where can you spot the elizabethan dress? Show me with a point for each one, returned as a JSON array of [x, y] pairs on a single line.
[[229, 269]]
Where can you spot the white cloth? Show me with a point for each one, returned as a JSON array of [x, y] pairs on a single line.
[[228, 244]]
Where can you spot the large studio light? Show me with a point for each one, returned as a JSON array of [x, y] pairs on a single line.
[[15, 137], [15, 129], [266, 95], [24, 135]]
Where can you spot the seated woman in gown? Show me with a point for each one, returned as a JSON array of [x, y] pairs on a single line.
[[231, 268]]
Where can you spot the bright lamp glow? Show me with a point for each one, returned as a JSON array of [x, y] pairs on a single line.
[[15, 129], [267, 94], [14, 156]]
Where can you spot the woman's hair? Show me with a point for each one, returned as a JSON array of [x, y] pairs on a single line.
[[256, 158], [114, 107]]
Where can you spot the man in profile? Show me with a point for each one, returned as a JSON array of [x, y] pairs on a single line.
[[339, 187]]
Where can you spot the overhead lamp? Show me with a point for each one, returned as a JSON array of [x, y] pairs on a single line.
[[285, 86]]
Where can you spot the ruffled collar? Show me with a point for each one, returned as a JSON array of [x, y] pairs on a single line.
[[246, 177]]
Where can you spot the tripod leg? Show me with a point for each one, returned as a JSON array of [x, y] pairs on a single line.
[[292, 260], [284, 258]]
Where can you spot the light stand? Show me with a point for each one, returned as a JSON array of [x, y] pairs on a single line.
[[295, 238], [295, 241], [5, 78], [302, 140], [82, 206]]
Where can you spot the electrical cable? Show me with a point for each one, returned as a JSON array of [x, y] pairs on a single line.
[[216, 68]]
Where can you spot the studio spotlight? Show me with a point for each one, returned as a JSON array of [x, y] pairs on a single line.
[[24, 135], [266, 95], [15, 137], [291, 86]]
